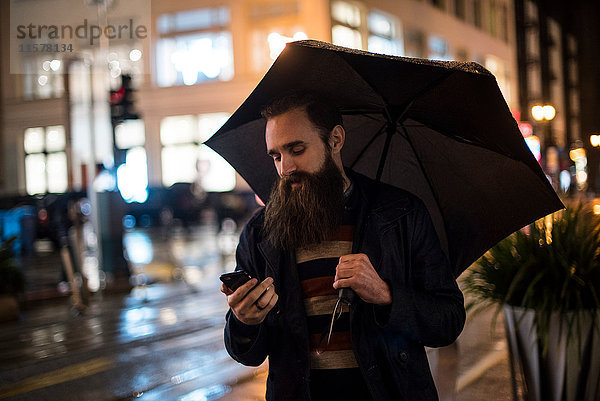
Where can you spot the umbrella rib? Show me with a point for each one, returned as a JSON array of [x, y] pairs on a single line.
[[435, 196], [367, 146]]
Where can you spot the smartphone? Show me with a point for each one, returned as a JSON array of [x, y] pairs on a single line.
[[235, 280]]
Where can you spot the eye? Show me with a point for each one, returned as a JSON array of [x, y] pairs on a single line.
[[276, 157], [298, 150]]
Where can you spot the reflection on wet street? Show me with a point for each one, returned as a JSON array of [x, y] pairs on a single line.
[[163, 340]]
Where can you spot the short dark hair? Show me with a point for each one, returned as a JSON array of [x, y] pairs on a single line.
[[321, 111]]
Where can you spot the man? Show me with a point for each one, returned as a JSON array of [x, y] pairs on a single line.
[[303, 247]]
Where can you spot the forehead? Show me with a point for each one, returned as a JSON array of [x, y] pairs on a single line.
[[291, 126]]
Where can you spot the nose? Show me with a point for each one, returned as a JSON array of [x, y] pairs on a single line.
[[287, 166]]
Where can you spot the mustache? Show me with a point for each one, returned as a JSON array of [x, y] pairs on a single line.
[[309, 214], [295, 177]]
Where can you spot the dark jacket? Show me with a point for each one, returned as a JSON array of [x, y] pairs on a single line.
[[427, 306]]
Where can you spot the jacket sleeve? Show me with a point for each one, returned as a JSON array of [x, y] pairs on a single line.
[[430, 308], [247, 344]]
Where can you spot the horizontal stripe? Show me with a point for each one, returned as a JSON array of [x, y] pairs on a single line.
[[317, 268], [320, 323], [338, 342], [333, 360], [322, 305], [343, 233], [318, 286], [326, 249]]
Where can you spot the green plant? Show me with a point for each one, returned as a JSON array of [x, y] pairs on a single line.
[[551, 266], [12, 280]]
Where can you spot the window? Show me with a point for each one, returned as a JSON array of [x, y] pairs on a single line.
[[438, 49], [415, 44], [184, 159], [43, 78], [132, 174], [345, 30], [45, 160], [384, 34], [194, 46]]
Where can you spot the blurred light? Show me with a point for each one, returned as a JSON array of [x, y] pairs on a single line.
[[595, 140], [46, 65], [112, 56], [135, 55], [549, 112], [516, 114], [581, 177], [192, 274], [533, 142], [55, 65], [128, 222], [168, 316], [526, 129], [576, 154], [90, 270], [596, 207], [139, 248], [277, 42], [115, 72], [113, 64], [207, 393], [300, 36], [565, 180], [132, 176], [537, 112], [42, 80]]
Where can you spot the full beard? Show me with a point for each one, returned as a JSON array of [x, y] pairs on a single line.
[[307, 214]]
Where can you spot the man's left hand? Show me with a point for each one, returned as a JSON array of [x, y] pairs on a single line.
[[357, 272]]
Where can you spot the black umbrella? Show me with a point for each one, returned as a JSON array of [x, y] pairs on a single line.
[[445, 129]]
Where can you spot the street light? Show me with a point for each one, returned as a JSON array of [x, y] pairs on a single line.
[[543, 113]]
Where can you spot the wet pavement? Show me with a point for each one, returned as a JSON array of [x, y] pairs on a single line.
[[163, 339]]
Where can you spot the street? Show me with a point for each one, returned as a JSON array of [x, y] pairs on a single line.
[[164, 340]]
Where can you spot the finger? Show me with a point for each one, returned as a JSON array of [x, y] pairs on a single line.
[[265, 299], [342, 283], [226, 290], [256, 293], [239, 294], [263, 312], [350, 257]]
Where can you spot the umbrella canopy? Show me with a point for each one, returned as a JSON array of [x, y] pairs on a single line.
[[448, 134]]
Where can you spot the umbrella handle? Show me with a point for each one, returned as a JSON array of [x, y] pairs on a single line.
[[346, 295]]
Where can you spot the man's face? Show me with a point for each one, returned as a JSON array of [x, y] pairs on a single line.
[[307, 202], [294, 144]]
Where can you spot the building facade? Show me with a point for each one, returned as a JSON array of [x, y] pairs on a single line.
[[196, 63]]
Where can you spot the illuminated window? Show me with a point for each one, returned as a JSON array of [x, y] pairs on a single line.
[[185, 159], [43, 78], [438, 49], [45, 160], [132, 173], [194, 46], [346, 25], [384, 34]]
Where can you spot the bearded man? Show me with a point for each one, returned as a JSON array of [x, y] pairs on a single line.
[[325, 228]]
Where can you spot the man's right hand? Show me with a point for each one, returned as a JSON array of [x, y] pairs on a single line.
[[249, 305]]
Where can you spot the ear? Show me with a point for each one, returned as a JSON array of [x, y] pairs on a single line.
[[337, 139]]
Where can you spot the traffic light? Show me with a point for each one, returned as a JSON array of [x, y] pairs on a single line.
[[122, 102]]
